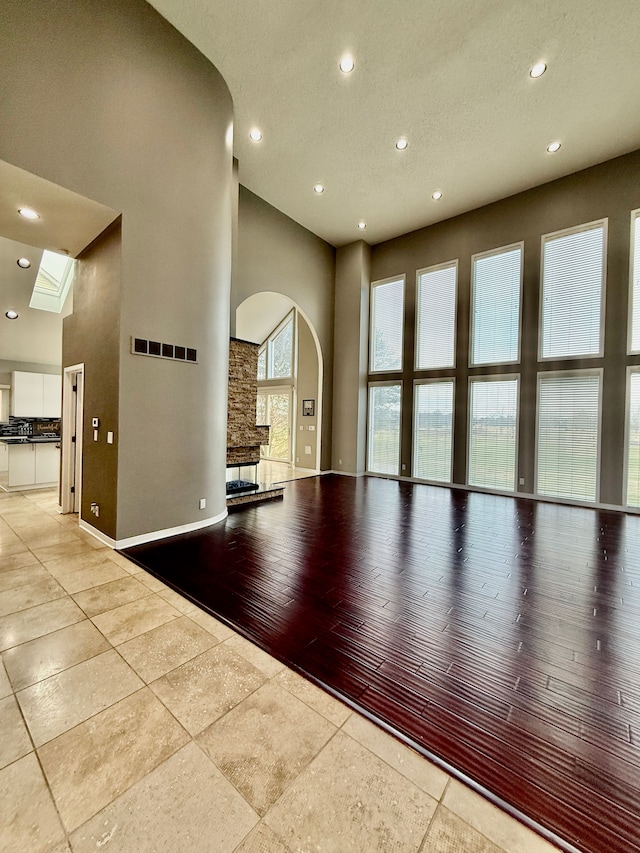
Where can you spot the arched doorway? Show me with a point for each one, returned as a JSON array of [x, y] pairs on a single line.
[[290, 372]]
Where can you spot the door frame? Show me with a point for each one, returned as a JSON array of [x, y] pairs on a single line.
[[72, 421]]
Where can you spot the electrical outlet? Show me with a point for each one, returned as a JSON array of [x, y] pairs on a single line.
[[404, 467], [522, 481], [203, 503], [339, 461]]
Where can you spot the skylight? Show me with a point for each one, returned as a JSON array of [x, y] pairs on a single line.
[[52, 282]]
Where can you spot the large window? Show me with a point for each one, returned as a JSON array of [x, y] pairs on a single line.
[[436, 317], [387, 318], [432, 430], [495, 306], [275, 357], [568, 434], [633, 438], [635, 281], [573, 263], [383, 445], [493, 432], [274, 408]]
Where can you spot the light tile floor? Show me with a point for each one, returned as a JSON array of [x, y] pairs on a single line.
[[132, 721]]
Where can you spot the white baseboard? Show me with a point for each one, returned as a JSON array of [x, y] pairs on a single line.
[[152, 536]]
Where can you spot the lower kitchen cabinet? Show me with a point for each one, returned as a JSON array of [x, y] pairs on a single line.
[[33, 464]]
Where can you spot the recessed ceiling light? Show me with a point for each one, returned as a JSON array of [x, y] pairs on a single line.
[[11, 315], [255, 134], [347, 64], [28, 213], [24, 263], [362, 225], [553, 147], [401, 144], [318, 188], [538, 70], [437, 195]]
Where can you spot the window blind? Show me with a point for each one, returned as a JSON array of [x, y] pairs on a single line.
[[635, 283], [433, 426], [568, 427], [436, 317], [383, 445], [572, 286], [262, 364], [493, 433], [387, 315], [633, 441], [495, 309]]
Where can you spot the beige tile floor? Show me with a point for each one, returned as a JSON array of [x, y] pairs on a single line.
[[132, 721]]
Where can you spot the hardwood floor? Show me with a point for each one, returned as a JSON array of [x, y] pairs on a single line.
[[500, 635]]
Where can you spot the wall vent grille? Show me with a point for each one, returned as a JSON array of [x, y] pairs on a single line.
[[157, 349]]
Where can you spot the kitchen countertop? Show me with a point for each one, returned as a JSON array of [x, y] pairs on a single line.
[[27, 439]]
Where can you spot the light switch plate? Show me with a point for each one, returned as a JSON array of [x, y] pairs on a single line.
[[109, 438]]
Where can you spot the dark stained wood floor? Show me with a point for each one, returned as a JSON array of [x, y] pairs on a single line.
[[500, 635]]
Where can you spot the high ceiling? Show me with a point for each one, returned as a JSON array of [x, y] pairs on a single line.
[[451, 76]]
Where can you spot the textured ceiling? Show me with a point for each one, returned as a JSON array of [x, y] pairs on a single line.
[[450, 75]]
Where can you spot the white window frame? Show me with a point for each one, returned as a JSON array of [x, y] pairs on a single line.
[[291, 316], [565, 232], [416, 345], [479, 256], [493, 377], [382, 384], [635, 214], [414, 437], [373, 285], [587, 371], [634, 368]]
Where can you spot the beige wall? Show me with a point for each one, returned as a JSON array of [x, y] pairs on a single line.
[[117, 106], [353, 275], [307, 389], [276, 254], [610, 190]]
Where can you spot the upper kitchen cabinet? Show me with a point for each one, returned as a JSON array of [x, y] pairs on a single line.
[[36, 395]]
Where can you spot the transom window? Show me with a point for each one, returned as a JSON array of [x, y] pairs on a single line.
[[495, 306], [387, 318], [275, 357], [436, 317], [573, 264]]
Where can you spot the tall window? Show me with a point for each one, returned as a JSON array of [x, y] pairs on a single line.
[[633, 439], [432, 430], [635, 281], [383, 445], [493, 408], [436, 317], [495, 306], [387, 317], [572, 292], [568, 434]]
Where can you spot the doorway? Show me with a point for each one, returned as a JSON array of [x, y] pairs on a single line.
[[72, 419]]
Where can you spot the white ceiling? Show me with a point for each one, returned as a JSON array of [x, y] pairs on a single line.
[[68, 223], [450, 75]]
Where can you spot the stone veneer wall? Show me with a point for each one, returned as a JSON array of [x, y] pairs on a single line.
[[243, 436]]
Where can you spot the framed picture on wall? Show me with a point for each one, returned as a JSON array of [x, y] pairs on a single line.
[[308, 408]]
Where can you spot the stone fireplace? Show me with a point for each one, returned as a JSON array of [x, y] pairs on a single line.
[[244, 438]]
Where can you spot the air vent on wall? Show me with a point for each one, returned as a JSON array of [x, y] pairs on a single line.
[[156, 349]]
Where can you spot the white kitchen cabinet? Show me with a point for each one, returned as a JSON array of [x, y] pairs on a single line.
[[22, 464], [47, 463], [35, 395], [4, 457], [33, 464], [51, 395]]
